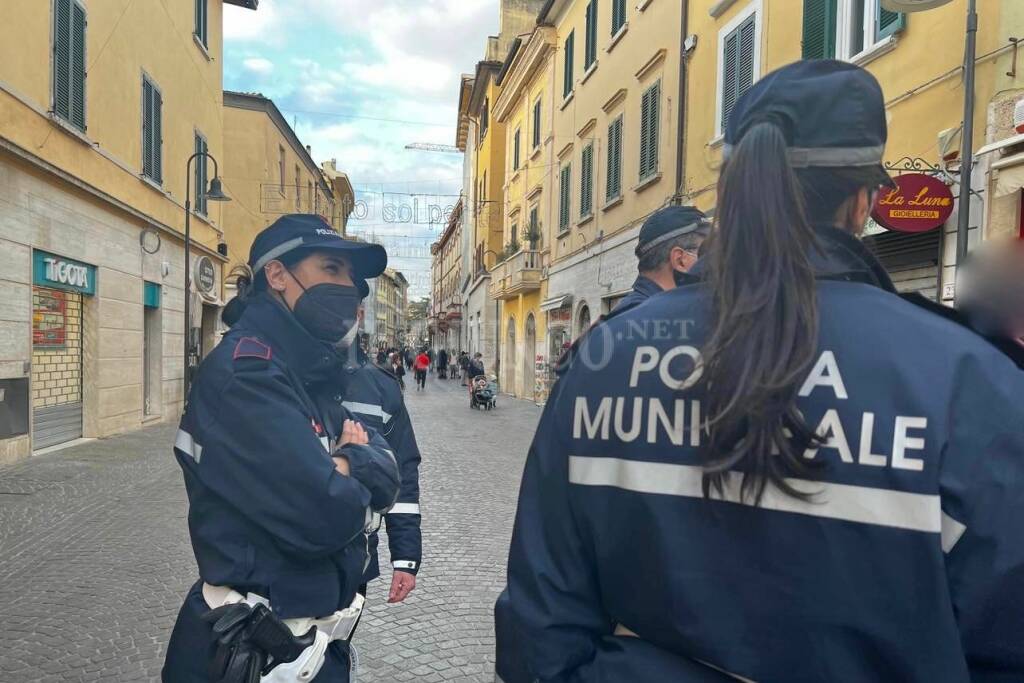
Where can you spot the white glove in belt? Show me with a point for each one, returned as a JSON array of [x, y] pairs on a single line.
[[337, 626]]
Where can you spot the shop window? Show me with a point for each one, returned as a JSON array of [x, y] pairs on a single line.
[[69, 62]]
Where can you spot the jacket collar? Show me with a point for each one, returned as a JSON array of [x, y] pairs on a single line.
[[311, 360], [838, 256], [646, 285]]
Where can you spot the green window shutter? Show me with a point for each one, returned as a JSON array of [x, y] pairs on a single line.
[[888, 23], [587, 180], [564, 196], [737, 66], [536, 124], [649, 131], [819, 38], [201, 20], [731, 49], [567, 76], [200, 175], [515, 150], [590, 54], [158, 162], [147, 126], [618, 15], [62, 58], [77, 69], [614, 186]]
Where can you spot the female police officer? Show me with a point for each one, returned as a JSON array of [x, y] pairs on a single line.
[[281, 486], [786, 472]]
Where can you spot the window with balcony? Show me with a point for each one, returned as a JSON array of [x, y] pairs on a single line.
[[69, 62]]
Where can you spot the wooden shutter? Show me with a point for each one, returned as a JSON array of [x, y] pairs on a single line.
[[200, 175], [587, 181], [590, 54], [77, 71], [536, 124], [201, 20], [567, 76], [62, 58], [147, 128], [737, 66], [613, 186], [819, 37], [729, 54], [565, 195], [887, 23], [158, 138], [515, 150], [618, 15], [649, 131]]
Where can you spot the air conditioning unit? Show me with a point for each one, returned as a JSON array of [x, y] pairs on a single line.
[[1018, 116]]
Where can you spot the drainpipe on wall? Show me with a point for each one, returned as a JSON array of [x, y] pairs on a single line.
[[681, 133]]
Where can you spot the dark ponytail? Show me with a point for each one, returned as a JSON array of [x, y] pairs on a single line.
[[765, 320]]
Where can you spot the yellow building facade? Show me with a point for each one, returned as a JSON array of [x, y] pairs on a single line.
[[917, 59], [446, 283], [526, 109], [268, 173], [101, 105]]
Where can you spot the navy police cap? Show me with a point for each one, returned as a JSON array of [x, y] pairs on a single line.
[[832, 114], [313, 233], [668, 224]]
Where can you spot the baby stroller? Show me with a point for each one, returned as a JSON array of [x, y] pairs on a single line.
[[483, 392]]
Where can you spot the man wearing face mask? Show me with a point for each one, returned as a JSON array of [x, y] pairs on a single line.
[[282, 482], [666, 248]]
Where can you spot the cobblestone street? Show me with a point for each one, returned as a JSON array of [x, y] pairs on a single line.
[[95, 556]]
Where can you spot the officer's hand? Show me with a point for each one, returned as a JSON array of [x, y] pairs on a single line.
[[353, 433], [341, 464], [402, 583]]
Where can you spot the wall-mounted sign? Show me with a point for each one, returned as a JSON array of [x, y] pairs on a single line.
[[206, 275], [919, 203], [57, 272]]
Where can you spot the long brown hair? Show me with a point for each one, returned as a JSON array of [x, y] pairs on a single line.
[[764, 329]]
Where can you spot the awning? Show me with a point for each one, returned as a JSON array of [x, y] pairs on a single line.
[[1001, 144], [556, 302], [1008, 175]]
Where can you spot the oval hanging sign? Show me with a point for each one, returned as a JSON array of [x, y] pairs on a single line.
[[918, 204], [206, 276]]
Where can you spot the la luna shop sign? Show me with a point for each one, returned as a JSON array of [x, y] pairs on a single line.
[[918, 203]]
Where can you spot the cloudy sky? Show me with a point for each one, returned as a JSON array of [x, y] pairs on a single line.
[[360, 79]]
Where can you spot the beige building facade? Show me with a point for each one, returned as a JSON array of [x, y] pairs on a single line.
[[101, 105], [446, 285]]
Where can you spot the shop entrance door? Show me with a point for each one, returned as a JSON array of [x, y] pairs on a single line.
[[56, 366]]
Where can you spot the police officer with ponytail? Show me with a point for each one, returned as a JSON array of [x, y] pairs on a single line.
[[283, 482], [806, 478]]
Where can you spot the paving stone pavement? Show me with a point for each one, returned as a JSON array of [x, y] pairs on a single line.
[[95, 556]]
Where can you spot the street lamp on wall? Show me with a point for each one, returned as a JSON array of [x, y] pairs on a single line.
[[215, 193]]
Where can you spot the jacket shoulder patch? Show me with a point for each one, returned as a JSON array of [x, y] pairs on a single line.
[[250, 347]]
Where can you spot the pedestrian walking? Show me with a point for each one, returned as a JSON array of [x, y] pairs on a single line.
[[398, 370], [442, 364], [666, 248], [463, 366], [280, 478], [422, 365], [794, 474]]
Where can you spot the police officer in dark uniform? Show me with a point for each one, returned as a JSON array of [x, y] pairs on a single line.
[[282, 481], [667, 246], [808, 478], [374, 396]]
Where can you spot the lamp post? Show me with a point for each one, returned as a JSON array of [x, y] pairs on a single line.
[[215, 193]]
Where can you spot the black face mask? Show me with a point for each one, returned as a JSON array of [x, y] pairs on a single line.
[[327, 311]]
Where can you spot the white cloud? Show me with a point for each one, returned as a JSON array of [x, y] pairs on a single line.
[[258, 65], [246, 24]]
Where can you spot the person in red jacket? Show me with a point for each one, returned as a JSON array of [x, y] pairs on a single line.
[[421, 366]]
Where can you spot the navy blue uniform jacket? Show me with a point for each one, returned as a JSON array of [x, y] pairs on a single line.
[[643, 289], [268, 512], [907, 564], [372, 394]]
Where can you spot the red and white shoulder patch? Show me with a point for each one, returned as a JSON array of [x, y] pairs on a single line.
[[250, 347]]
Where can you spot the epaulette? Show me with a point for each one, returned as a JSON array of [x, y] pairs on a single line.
[[250, 350]]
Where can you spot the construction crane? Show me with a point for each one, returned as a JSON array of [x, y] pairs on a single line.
[[429, 147]]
